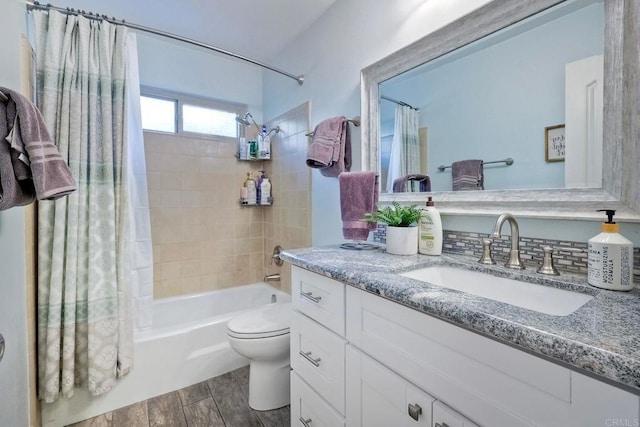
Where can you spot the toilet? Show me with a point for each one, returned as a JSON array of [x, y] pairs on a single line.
[[262, 336]]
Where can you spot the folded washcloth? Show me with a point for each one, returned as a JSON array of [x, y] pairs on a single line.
[[467, 175], [13, 191], [330, 149], [358, 196], [30, 139], [401, 185]]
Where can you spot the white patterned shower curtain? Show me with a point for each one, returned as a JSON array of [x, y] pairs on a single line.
[[405, 148], [85, 255]]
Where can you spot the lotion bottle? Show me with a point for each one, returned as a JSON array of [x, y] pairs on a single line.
[[430, 230], [250, 185], [610, 259]]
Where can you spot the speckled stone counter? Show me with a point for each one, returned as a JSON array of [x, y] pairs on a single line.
[[602, 338]]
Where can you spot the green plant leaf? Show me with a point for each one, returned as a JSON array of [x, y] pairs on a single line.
[[395, 215]]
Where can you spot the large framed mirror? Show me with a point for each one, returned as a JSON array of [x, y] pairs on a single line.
[[536, 184]]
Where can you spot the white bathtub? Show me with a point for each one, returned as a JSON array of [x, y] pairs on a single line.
[[188, 344]]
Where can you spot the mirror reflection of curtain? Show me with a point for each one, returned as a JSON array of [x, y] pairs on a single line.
[[405, 148]]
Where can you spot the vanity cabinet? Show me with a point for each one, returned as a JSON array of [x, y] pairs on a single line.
[[488, 382], [361, 360]]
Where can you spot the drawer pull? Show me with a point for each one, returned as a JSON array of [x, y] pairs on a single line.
[[310, 297], [305, 423], [307, 355], [442, 425], [414, 411]]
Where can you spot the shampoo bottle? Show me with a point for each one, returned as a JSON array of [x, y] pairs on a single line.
[[610, 259], [250, 185], [430, 230], [265, 191]]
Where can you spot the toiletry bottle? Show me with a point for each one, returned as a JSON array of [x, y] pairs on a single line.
[[250, 185], [258, 187], [243, 149], [253, 149], [265, 191], [430, 230], [610, 257], [261, 140]]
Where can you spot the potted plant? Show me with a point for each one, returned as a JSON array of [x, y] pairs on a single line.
[[402, 227]]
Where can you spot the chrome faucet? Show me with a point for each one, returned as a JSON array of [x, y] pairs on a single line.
[[272, 277], [514, 255]]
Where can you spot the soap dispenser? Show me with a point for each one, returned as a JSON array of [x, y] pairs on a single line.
[[430, 230], [610, 257]]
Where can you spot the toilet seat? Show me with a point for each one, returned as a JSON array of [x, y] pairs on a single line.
[[269, 321]]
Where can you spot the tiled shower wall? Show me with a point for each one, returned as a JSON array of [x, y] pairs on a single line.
[[202, 239], [288, 222]]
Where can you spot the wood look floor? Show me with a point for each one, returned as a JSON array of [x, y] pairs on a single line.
[[219, 402]]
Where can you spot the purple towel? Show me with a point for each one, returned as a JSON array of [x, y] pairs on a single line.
[[330, 149], [30, 139], [358, 196], [467, 175], [13, 191], [401, 185]]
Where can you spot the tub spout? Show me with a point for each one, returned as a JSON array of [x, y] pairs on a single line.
[[272, 277]]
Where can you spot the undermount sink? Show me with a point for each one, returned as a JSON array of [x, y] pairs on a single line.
[[540, 298]]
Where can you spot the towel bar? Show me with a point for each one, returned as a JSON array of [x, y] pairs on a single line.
[[355, 121], [508, 161], [3, 97]]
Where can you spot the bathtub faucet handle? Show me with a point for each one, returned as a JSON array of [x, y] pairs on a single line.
[[276, 256]]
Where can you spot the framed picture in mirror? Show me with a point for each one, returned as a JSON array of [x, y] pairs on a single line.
[[554, 143]]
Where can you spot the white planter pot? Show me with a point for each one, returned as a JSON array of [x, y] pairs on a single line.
[[402, 240]]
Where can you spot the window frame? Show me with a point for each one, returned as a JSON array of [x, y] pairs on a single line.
[[197, 101]]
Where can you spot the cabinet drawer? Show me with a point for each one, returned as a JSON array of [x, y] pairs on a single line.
[[317, 355], [443, 416], [310, 410], [319, 297]]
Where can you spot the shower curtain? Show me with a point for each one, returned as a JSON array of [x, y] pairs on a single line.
[[86, 240], [405, 148]]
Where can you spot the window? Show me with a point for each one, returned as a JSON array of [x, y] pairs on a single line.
[[170, 112], [158, 114], [209, 121]]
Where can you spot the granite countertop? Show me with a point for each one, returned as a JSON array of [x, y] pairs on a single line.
[[601, 338]]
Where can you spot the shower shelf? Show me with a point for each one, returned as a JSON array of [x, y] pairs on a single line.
[[245, 205], [237, 156]]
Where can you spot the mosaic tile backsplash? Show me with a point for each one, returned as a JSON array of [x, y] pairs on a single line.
[[568, 256]]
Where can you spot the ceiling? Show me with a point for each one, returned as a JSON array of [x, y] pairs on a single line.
[[258, 29]]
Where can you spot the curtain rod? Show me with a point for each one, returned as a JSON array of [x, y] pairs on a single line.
[[34, 5], [404, 104]]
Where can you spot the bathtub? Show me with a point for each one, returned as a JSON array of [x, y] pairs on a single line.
[[187, 344]]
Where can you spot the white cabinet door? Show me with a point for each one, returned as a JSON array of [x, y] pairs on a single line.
[[378, 397]]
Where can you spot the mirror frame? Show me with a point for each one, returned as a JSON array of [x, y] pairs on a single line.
[[621, 127]]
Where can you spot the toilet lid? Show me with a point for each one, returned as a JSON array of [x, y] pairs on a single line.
[[264, 322]]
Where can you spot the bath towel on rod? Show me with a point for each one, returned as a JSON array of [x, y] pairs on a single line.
[[404, 184], [330, 149], [467, 175], [358, 196]]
